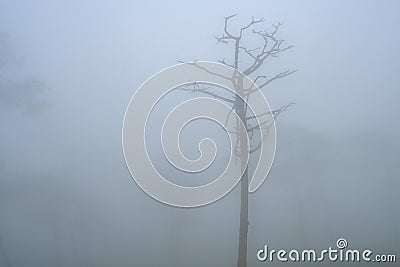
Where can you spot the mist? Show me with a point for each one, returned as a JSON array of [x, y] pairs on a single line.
[[68, 70]]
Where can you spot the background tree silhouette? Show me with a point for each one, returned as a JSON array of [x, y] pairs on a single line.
[[17, 91], [270, 45]]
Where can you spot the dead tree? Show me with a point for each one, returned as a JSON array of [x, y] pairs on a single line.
[[271, 46]]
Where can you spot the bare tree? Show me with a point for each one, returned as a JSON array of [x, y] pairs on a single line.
[[270, 46]]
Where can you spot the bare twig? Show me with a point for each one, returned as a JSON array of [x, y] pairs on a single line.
[[278, 112], [252, 22], [197, 89], [275, 113], [277, 76], [194, 63], [272, 47]]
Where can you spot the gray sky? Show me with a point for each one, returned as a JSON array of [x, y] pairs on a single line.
[[66, 197]]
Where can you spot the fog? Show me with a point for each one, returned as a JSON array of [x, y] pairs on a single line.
[[68, 70]]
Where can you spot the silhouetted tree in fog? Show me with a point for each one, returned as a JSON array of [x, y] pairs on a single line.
[[270, 46]]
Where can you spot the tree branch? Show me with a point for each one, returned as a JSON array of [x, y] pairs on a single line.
[[275, 113], [194, 63], [252, 150], [252, 22], [257, 126], [226, 28], [222, 61], [278, 112], [197, 89], [273, 50], [277, 76]]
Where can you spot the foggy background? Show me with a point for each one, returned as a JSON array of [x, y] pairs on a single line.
[[68, 70]]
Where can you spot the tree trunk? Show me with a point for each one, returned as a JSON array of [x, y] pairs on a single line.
[[244, 184], [243, 228]]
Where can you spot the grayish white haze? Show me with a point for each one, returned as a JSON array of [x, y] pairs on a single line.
[[66, 197]]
